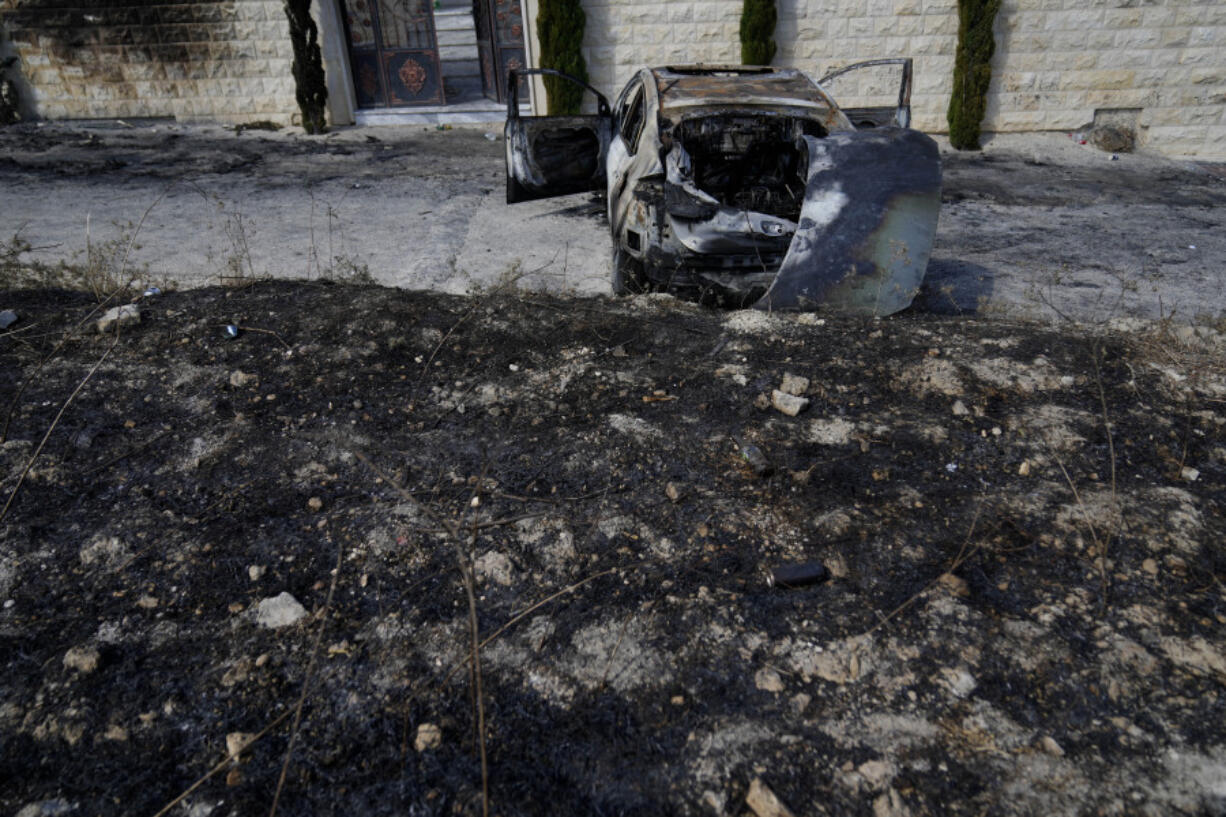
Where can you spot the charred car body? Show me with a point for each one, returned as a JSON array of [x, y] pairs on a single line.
[[746, 185]]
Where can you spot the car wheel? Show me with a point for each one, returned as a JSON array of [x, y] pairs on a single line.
[[628, 276]]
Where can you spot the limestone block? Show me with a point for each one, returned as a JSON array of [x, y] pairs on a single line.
[[941, 24], [1134, 38], [1200, 56], [908, 7], [680, 12]]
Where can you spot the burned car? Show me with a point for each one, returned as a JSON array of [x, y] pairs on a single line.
[[743, 185]]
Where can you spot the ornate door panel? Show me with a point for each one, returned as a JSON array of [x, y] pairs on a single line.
[[393, 52], [500, 43]]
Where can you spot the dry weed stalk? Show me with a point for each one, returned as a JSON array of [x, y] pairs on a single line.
[[965, 552], [306, 681], [464, 562]]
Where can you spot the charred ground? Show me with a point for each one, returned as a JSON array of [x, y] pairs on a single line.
[[1024, 526]]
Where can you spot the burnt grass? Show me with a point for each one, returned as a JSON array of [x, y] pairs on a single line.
[[1024, 615]]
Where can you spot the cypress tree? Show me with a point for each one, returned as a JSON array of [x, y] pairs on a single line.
[[311, 90], [972, 71], [559, 24], [758, 18]]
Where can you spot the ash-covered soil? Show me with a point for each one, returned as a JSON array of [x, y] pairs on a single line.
[[1023, 526]]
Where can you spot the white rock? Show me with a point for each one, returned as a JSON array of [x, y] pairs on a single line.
[[495, 567], [82, 659], [767, 680], [236, 742], [876, 773], [279, 611], [794, 384], [239, 379], [121, 316], [255, 572], [789, 404], [429, 736], [960, 409], [1048, 744]]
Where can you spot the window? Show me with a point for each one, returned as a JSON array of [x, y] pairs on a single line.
[[632, 118]]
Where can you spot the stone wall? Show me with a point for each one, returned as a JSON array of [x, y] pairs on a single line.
[[1161, 63], [217, 60]]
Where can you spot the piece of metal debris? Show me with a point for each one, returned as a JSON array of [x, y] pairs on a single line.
[[230, 330], [797, 574]]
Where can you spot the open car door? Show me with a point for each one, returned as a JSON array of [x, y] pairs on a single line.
[[554, 155], [881, 116]]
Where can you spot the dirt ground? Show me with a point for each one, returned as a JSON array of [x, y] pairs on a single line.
[[1033, 226], [1022, 527]]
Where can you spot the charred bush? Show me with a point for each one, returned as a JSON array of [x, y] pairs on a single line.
[[311, 88]]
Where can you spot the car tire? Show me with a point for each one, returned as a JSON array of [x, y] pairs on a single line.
[[627, 274]]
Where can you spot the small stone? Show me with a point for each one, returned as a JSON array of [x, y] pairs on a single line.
[[876, 773], [1023, 470], [762, 402], [494, 566], [281, 610], [147, 603], [236, 742], [794, 384], [1189, 473], [121, 316], [677, 700], [767, 680], [956, 585], [82, 659], [115, 732], [429, 736], [240, 379], [890, 804], [672, 491], [960, 409], [315, 504], [959, 682], [47, 808], [261, 659], [789, 404], [764, 802], [1048, 744], [1150, 566], [255, 572], [7, 318]]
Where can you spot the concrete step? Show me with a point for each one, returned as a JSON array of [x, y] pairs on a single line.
[[461, 68], [449, 5], [458, 52], [461, 38], [458, 20]]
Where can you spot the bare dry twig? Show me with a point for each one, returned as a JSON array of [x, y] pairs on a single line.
[[306, 682], [464, 563]]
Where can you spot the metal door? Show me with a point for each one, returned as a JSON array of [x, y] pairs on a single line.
[[393, 52], [500, 44]]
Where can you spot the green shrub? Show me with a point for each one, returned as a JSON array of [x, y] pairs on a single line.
[[308, 68], [559, 24], [758, 18], [972, 71]]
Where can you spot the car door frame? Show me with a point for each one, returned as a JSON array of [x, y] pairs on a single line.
[[548, 156], [879, 116]]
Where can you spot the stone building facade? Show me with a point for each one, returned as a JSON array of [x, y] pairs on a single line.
[[1159, 64], [219, 60]]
